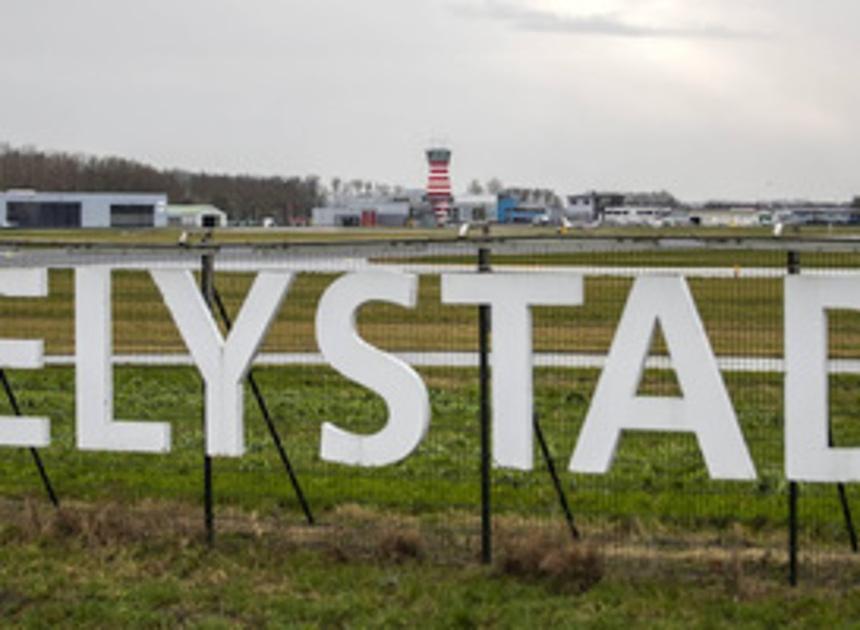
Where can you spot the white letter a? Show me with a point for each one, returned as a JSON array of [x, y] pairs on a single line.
[[705, 408]]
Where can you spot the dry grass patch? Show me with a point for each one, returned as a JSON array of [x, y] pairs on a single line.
[[398, 545], [737, 562], [548, 554]]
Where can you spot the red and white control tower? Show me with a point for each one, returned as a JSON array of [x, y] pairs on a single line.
[[439, 183]]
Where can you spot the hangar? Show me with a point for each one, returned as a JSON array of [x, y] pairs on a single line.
[[34, 210], [195, 215]]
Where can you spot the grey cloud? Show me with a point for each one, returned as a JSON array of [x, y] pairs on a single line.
[[534, 20]]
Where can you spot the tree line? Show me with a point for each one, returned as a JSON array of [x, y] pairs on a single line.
[[242, 197]]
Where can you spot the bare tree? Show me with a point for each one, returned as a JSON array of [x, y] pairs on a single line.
[[495, 186], [242, 197]]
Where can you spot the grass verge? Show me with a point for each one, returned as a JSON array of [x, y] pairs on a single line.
[[107, 566]]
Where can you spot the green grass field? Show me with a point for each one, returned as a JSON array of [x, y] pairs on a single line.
[[398, 545], [70, 573], [656, 478], [96, 570]]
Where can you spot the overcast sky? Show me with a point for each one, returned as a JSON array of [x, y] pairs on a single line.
[[712, 98]]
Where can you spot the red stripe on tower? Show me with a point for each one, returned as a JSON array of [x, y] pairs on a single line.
[[439, 183]]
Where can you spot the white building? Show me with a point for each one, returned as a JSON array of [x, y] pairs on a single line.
[[31, 209], [195, 215], [819, 214], [653, 216], [362, 212], [590, 206], [734, 216], [473, 208]]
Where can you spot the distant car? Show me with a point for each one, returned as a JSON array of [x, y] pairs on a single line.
[[541, 219]]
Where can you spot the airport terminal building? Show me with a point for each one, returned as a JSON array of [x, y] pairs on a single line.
[[29, 209]]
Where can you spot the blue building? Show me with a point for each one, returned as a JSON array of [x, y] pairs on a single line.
[[511, 208]]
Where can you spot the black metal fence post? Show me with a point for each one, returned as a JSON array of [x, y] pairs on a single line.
[[793, 264], [207, 284], [484, 326], [792, 532]]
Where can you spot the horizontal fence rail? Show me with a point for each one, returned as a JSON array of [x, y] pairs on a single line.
[[469, 359]]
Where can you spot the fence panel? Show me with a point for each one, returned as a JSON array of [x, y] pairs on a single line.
[[657, 506]]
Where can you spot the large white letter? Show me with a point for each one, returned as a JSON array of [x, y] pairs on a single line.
[[96, 428], [223, 364], [24, 355], [510, 297], [402, 389], [808, 454], [705, 408]]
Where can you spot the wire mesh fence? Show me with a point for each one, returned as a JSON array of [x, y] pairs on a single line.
[[657, 504]]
